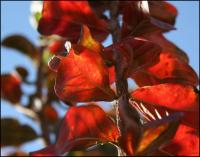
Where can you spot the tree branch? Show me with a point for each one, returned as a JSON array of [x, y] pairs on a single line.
[[126, 112]]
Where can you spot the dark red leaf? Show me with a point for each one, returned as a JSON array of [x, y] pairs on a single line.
[[21, 44], [83, 126], [168, 46], [22, 72], [163, 11], [57, 46], [66, 17], [137, 53], [10, 87], [142, 23], [170, 68], [50, 113], [15, 134]]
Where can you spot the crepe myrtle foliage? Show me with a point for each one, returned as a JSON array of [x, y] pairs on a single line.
[[77, 73]]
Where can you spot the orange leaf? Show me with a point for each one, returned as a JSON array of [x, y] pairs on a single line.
[[83, 126], [88, 41], [83, 77], [169, 69], [154, 131], [65, 18], [176, 97], [185, 142]]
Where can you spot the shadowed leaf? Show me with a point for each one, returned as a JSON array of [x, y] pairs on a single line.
[[66, 17], [142, 23], [10, 87], [163, 11], [82, 127], [137, 53], [21, 44], [13, 133], [22, 72]]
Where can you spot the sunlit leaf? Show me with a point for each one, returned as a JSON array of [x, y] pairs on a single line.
[[154, 130], [88, 41], [83, 126], [176, 97], [13, 133], [57, 46], [10, 87], [21, 44], [66, 17], [185, 142], [155, 137], [169, 69], [83, 77]]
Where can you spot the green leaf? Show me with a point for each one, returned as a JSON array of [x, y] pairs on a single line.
[[13, 133]]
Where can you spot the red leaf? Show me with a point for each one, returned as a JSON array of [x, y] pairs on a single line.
[[167, 46], [83, 77], [176, 97], [153, 138], [50, 113], [137, 53], [83, 126], [10, 88], [143, 139], [163, 11], [142, 23], [65, 18], [185, 142], [57, 46], [170, 68]]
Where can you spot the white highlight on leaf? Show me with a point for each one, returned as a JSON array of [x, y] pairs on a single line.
[[167, 113], [68, 46], [147, 111], [37, 104], [137, 107], [157, 113], [144, 6]]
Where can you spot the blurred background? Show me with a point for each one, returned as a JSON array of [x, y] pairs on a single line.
[[15, 19]]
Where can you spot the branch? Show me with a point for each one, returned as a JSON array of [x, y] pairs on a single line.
[[128, 115]]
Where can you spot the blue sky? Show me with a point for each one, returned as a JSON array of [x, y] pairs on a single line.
[[15, 20]]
